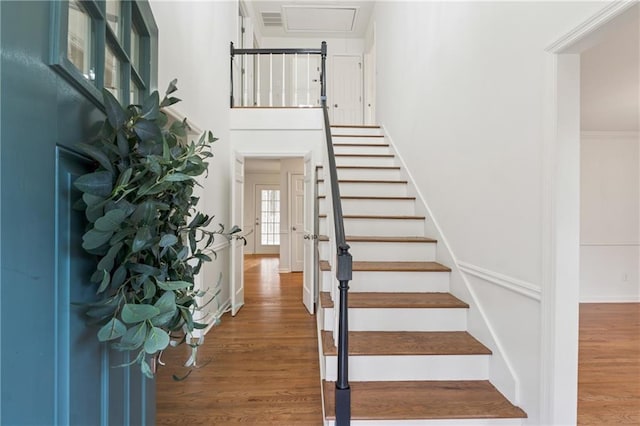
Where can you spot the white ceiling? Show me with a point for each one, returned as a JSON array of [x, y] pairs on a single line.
[[610, 78], [313, 18]]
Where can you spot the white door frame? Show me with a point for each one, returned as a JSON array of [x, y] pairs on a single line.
[[561, 219], [236, 256]]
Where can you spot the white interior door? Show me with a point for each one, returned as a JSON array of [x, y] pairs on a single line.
[[296, 203], [267, 219], [308, 279], [369, 89], [346, 102], [237, 245]]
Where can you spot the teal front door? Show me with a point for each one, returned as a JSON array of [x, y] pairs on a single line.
[[53, 369]]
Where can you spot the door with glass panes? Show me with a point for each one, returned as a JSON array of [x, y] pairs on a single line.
[[56, 59], [267, 219]]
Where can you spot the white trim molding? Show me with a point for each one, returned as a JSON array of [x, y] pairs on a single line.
[[222, 245], [175, 115], [516, 285], [609, 134], [611, 299], [611, 244]]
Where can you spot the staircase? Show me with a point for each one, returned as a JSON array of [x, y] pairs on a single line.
[[411, 360]]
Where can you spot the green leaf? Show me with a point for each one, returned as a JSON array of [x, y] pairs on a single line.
[[142, 238], [179, 128], [147, 130], [172, 86], [200, 325], [111, 330], [144, 213], [157, 340], [150, 108], [146, 370], [94, 239], [106, 279], [149, 290], [134, 337], [133, 313], [168, 101], [174, 285], [192, 241], [92, 200], [167, 302], [119, 276], [168, 240], [98, 155], [111, 221], [97, 183], [177, 177], [123, 205], [115, 113], [123, 179], [123, 144], [106, 262]]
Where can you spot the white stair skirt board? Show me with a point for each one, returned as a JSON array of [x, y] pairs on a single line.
[[365, 161], [369, 368], [364, 188], [369, 206], [370, 131], [361, 149], [403, 319], [364, 173], [381, 227], [452, 422], [386, 252], [389, 281]]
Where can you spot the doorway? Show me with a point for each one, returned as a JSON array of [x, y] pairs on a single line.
[[561, 293], [276, 215]]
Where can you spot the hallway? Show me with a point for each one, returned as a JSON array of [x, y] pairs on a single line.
[[264, 362]]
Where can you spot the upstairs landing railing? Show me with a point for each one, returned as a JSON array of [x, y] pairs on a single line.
[[253, 93]]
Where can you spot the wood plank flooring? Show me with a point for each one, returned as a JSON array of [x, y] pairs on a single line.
[[609, 364], [264, 361]]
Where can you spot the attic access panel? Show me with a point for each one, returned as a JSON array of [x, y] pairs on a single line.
[[320, 18]]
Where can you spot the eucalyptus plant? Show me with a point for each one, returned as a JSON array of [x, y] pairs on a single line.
[[143, 228]]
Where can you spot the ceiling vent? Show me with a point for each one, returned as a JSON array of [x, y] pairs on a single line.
[[272, 19]]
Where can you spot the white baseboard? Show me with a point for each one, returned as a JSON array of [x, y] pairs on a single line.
[[610, 299], [284, 270], [224, 307]]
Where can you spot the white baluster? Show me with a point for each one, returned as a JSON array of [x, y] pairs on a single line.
[[308, 79], [284, 103], [295, 79], [245, 94], [257, 77], [270, 79]]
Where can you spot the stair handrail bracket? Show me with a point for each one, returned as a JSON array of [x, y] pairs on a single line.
[[344, 265]]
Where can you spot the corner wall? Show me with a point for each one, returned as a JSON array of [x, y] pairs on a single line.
[[461, 88], [194, 48], [610, 217]]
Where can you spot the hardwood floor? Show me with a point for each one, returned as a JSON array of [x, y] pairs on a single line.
[[609, 364], [264, 361]]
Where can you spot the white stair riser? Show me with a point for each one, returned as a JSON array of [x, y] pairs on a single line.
[[403, 319], [375, 174], [379, 227], [387, 281], [362, 149], [383, 207], [364, 368], [385, 252], [355, 131], [452, 422], [365, 189], [365, 161], [412, 282]]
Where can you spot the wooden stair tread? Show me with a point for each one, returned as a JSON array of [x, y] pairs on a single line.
[[366, 167], [366, 181], [356, 126], [368, 145], [398, 301], [414, 400], [371, 197], [369, 239], [366, 155], [407, 343], [392, 266], [359, 216]]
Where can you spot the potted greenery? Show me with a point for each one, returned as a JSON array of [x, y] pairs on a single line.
[[148, 239]]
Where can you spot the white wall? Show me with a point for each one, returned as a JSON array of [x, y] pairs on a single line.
[[610, 217], [194, 48], [461, 89]]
